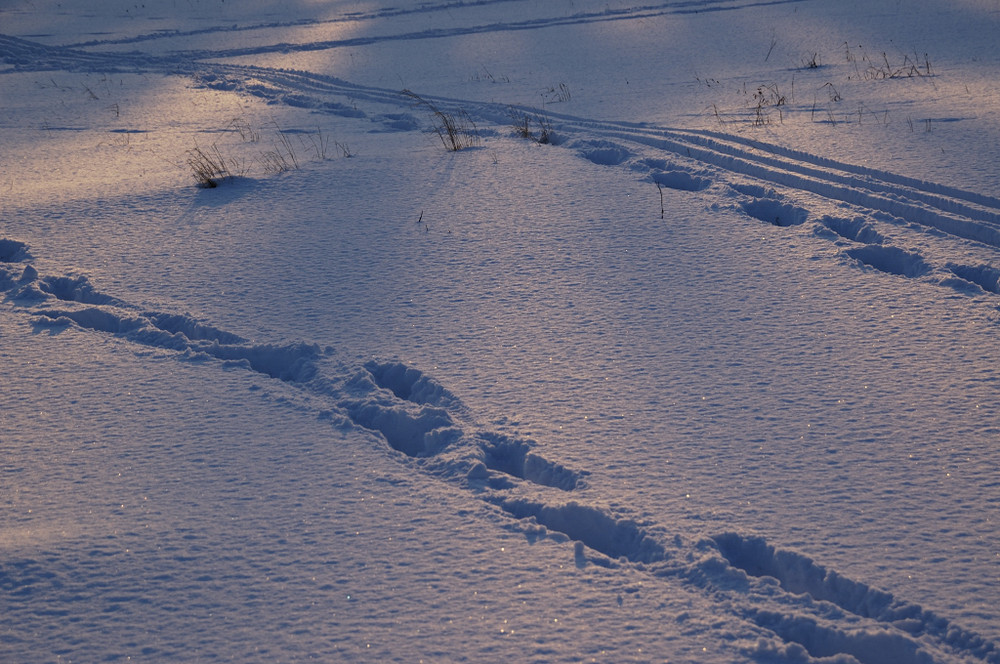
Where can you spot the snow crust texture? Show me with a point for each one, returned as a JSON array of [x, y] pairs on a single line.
[[817, 614], [381, 439]]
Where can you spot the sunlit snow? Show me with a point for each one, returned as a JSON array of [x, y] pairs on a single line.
[[688, 355]]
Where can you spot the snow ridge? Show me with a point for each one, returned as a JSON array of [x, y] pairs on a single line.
[[799, 610]]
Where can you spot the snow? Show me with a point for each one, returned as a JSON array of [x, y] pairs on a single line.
[[690, 356]]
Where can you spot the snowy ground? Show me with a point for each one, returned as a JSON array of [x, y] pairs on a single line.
[[709, 374]]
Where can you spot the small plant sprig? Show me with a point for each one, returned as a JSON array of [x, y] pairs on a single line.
[[281, 157], [765, 98], [211, 167], [456, 130], [524, 123], [487, 75], [247, 132], [208, 166], [556, 94], [344, 148], [874, 69], [319, 142]]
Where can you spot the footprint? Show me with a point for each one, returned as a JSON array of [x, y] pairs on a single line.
[[192, 329], [597, 529], [799, 575], [899, 620], [864, 645], [682, 180], [891, 260], [423, 433], [603, 153], [856, 230], [983, 276], [775, 212], [12, 251], [75, 289], [409, 384], [514, 457]]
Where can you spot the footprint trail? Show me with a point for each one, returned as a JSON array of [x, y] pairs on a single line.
[[799, 610]]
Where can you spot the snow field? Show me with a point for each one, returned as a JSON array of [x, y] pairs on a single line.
[[750, 379]]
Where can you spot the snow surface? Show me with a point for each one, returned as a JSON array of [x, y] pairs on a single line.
[[689, 356]]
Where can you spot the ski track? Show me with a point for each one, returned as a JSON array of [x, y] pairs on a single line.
[[692, 160], [604, 15], [797, 606]]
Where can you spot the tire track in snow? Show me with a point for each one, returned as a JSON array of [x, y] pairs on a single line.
[[349, 17], [25, 55], [801, 611]]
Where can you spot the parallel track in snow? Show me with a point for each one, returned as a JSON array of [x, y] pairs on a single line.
[[961, 213], [433, 10], [966, 214], [935, 207]]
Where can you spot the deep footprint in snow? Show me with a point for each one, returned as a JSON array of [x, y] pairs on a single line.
[[12, 251], [601, 152], [985, 277], [409, 384], [775, 212], [857, 229], [75, 289], [595, 528], [899, 623], [513, 457], [421, 424], [423, 433], [681, 180], [891, 260]]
